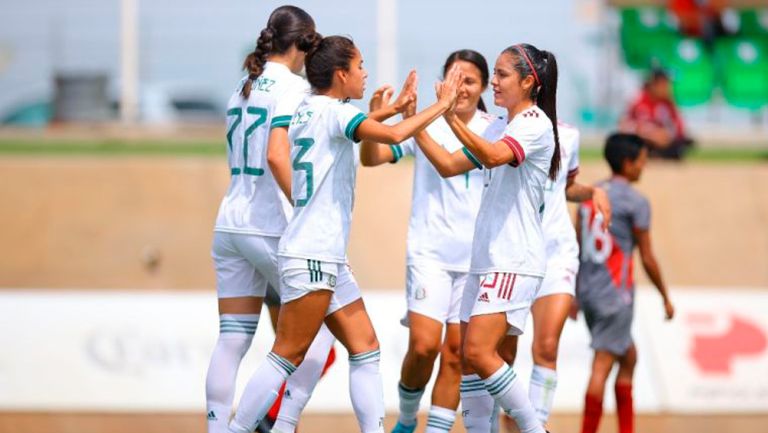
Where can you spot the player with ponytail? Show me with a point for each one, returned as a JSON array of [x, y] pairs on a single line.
[[256, 210]]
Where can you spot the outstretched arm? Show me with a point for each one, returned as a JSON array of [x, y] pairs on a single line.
[[489, 154], [372, 130], [447, 164], [373, 153]]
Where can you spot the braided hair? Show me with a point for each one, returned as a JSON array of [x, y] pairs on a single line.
[[287, 26]]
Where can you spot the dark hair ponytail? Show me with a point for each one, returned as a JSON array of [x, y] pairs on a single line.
[[476, 59], [287, 26], [543, 66], [331, 54]]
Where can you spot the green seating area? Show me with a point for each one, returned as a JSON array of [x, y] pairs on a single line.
[[736, 65]]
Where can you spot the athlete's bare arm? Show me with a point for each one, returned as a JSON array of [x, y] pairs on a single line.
[[651, 266], [577, 192], [279, 159]]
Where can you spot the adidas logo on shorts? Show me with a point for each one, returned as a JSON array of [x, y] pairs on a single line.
[[212, 416], [483, 297]]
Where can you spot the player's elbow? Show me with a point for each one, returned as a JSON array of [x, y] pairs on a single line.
[[366, 160], [445, 171], [492, 161]]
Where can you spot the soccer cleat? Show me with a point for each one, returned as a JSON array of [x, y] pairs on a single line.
[[400, 428]]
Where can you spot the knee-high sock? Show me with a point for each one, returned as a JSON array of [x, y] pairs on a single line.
[[235, 337], [593, 411], [506, 389], [624, 407], [366, 392], [495, 418], [260, 393], [409, 404], [301, 384], [542, 391], [440, 419], [477, 405]]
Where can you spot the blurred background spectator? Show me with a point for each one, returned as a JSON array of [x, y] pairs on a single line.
[[653, 116]]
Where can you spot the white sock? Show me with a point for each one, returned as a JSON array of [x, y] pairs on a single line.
[[440, 419], [409, 404], [235, 337], [507, 390], [541, 391], [260, 393], [477, 406], [301, 384], [366, 392], [495, 417]]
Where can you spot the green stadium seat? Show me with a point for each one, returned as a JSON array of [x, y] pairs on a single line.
[[743, 66], [645, 33], [754, 22], [692, 70]]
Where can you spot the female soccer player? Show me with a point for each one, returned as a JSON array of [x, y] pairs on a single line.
[[508, 252], [254, 212], [443, 213], [316, 285], [553, 301]]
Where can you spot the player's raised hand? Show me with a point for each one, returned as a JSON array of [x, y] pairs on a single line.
[[380, 98], [602, 205], [448, 89], [407, 93]]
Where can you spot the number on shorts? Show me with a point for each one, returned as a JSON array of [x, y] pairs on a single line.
[[304, 144]]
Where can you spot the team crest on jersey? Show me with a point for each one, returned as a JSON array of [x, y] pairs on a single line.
[[331, 281], [483, 297]]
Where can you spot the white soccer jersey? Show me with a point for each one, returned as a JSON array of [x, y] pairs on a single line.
[[508, 234], [558, 228], [323, 186], [254, 203], [443, 211]]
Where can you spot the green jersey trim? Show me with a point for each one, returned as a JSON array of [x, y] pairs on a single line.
[[397, 152], [472, 158], [280, 121], [353, 124]]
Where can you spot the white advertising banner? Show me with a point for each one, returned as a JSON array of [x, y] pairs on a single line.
[[140, 351], [714, 356]]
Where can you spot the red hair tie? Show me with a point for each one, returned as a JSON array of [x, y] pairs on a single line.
[[530, 64]]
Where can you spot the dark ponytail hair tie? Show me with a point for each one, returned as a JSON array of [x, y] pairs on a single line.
[[530, 63]]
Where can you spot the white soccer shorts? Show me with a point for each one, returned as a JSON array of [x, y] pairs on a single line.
[[244, 264], [498, 292], [299, 277], [434, 292]]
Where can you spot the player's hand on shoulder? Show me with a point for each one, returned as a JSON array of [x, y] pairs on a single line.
[[602, 205]]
